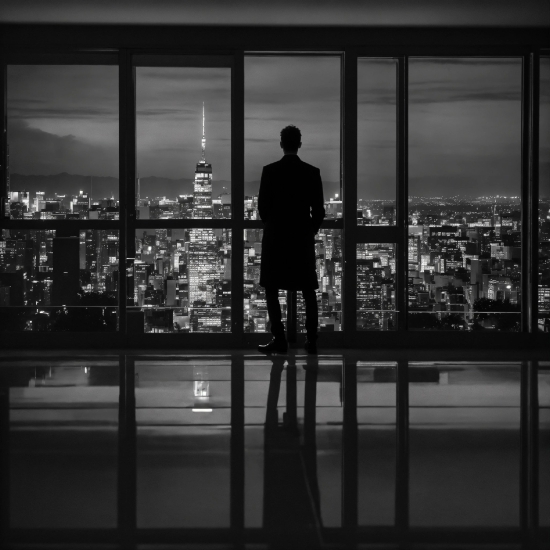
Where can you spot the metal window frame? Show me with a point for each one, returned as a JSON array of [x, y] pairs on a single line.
[[97, 45]]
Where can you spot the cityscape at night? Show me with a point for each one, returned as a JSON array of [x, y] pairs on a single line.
[[464, 248], [275, 275], [463, 265]]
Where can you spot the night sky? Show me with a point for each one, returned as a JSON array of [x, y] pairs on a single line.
[[464, 121]]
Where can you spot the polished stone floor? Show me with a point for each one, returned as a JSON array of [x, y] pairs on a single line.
[[350, 449]]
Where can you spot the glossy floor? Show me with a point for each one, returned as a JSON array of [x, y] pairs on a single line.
[[283, 451]]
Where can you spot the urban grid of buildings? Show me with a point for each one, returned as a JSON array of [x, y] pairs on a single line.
[[464, 265]]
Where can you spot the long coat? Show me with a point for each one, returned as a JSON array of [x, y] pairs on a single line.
[[291, 205]]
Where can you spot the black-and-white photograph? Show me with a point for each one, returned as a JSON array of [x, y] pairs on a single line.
[[275, 275]]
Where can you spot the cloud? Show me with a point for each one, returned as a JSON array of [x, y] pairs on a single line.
[[26, 110], [34, 151], [443, 93]]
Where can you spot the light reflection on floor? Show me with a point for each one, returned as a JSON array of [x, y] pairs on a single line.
[[464, 450]]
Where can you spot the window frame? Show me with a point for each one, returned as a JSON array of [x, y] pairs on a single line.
[[91, 44]]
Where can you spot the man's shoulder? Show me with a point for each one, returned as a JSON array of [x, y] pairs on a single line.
[[279, 164], [309, 167], [272, 166]]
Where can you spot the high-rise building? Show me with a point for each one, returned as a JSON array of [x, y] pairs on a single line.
[[202, 188], [39, 201], [205, 265]]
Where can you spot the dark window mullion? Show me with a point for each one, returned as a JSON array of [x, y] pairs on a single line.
[[402, 189], [533, 205], [76, 225], [191, 223], [327, 224], [127, 178], [377, 234], [61, 57], [526, 219], [349, 191], [237, 197]]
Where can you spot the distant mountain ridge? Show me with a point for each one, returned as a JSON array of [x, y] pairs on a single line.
[[106, 186]]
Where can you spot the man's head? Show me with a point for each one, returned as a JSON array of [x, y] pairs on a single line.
[[291, 139]]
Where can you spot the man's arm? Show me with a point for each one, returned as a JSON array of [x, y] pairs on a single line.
[[317, 202], [264, 201]]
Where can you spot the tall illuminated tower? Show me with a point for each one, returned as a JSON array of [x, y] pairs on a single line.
[[204, 266], [202, 191]]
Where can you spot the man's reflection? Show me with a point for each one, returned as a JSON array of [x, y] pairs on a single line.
[[291, 491]]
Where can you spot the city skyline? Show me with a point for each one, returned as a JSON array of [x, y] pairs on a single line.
[[65, 119], [464, 250]]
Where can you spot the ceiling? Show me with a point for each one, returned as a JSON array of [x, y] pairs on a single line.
[[467, 13]]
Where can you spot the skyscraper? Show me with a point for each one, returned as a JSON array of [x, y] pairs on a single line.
[[202, 190], [206, 268]]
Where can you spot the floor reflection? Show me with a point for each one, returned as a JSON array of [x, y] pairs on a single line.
[[183, 417], [285, 451], [465, 444], [63, 421]]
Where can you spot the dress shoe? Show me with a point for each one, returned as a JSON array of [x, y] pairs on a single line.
[[277, 345], [311, 346]]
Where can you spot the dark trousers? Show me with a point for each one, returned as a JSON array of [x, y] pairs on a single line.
[[274, 312]]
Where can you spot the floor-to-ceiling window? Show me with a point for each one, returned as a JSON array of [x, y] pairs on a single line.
[[459, 252], [376, 267], [303, 91], [182, 266], [59, 249], [465, 218]]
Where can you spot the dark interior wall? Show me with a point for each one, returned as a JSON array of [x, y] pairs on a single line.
[[391, 40]]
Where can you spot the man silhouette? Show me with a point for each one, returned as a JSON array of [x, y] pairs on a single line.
[[291, 205]]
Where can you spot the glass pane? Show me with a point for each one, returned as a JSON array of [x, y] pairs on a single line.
[[544, 443], [50, 281], [63, 443], [181, 281], [544, 194], [256, 318], [465, 194], [464, 444], [183, 414], [293, 90], [376, 279], [328, 253], [62, 142], [376, 416], [183, 134], [293, 416], [376, 141]]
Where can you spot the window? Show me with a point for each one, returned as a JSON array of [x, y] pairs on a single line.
[[51, 281], [298, 90], [376, 287], [182, 273], [376, 141], [464, 243], [183, 138], [454, 262], [182, 280], [62, 142]]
